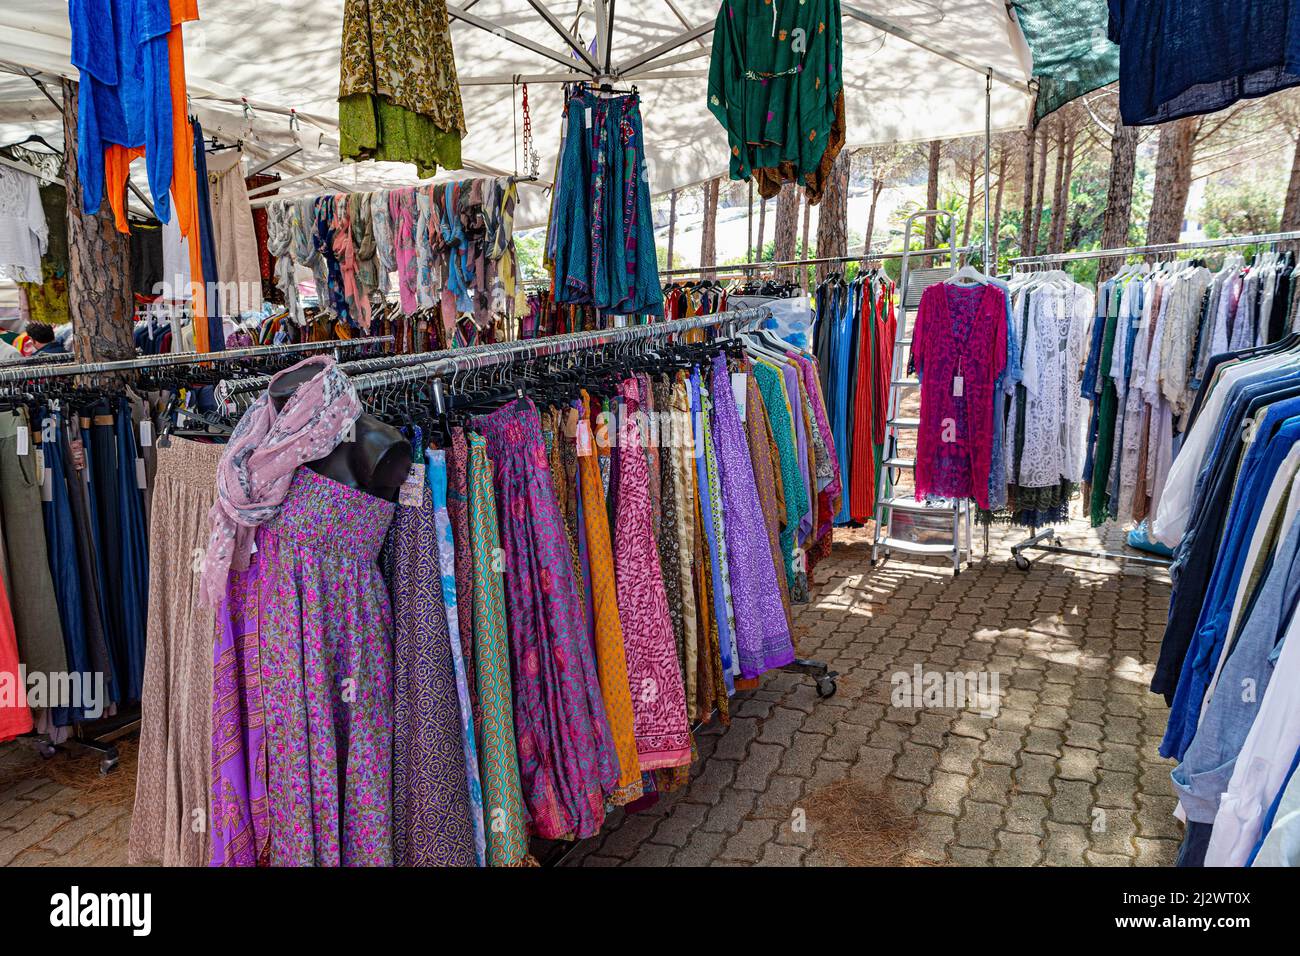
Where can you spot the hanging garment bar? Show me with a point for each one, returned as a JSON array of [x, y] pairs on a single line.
[[183, 358], [487, 356], [1225, 242], [824, 260]]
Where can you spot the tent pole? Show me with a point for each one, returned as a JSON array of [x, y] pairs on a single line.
[[565, 35], [609, 38], [990, 267], [515, 38]]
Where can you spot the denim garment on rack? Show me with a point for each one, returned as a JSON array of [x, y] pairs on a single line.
[[1194, 558], [61, 547], [133, 549], [207, 242], [1207, 767]]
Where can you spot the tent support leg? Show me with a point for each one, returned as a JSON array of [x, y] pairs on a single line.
[[990, 266]]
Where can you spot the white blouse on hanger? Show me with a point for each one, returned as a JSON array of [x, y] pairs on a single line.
[[24, 235]]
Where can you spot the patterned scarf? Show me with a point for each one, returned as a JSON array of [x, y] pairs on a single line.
[[259, 463]]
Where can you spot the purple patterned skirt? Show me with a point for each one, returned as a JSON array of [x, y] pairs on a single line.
[[327, 677]]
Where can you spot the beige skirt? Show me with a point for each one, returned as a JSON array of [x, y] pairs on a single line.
[[171, 819]]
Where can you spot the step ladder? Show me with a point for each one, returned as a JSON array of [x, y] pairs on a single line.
[[894, 511]]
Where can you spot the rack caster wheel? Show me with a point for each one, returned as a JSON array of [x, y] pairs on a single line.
[[46, 750], [1022, 562], [108, 763], [826, 687]]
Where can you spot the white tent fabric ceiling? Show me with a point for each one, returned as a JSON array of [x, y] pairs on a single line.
[[283, 55]]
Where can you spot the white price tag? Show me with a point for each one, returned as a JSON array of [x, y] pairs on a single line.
[[24, 440], [958, 386], [739, 391], [141, 481], [146, 433], [588, 119], [47, 484], [584, 438]]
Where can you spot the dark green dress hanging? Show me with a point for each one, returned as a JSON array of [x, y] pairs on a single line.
[[775, 86]]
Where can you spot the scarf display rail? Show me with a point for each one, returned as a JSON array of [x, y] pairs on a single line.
[[1048, 540], [497, 354], [106, 731]]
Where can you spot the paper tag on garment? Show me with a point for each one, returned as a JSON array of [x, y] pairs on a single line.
[[587, 121], [77, 449], [24, 440], [738, 390], [141, 478], [252, 546], [583, 438], [47, 482], [958, 386], [180, 418], [146, 433]]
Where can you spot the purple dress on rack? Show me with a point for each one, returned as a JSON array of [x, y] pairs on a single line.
[[327, 676], [762, 636]]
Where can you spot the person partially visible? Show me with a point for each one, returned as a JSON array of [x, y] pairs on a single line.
[[46, 342]]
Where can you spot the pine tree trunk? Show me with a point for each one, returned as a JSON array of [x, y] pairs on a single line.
[[1291, 208], [1036, 215], [99, 264], [1027, 198], [1058, 208], [1173, 179], [1119, 194], [1062, 200], [877, 187], [804, 254], [749, 225], [786, 227], [709, 231], [991, 266], [672, 225], [762, 228], [932, 197], [970, 206], [833, 216]]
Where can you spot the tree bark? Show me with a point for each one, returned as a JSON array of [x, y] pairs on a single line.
[[803, 251], [1119, 194], [1173, 179], [99, 264], [877, 187], [932, 196], [991, 266], [970, 202], [1036, 215], [1062, 201], [762, 228], [1027, 199], [709, 230], [672, 225], [833, 216], [1058, 208], [786, 227], [749, 225]]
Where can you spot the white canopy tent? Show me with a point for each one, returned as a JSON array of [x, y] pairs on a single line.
[[266, 73]]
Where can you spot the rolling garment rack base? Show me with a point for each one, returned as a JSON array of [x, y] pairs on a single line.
[[101, 736], [1048, 540], [442, 366]]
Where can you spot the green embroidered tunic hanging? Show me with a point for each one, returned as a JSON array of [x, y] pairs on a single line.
[[775, 86]]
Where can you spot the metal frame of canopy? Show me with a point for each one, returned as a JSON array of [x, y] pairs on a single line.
[[600, 69]]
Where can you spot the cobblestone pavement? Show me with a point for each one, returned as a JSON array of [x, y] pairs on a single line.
[[1065, 774]]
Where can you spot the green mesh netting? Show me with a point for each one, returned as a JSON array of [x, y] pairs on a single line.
[[1072, 54]]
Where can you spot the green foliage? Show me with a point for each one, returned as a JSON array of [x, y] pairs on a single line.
[[1241, 208]]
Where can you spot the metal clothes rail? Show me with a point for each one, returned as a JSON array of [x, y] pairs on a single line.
[[821, 260], [180, 358], [1158, 249]]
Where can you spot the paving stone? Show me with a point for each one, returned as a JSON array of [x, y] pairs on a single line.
[[979, 825]]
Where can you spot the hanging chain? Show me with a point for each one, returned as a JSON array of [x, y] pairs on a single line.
[[531, 160]]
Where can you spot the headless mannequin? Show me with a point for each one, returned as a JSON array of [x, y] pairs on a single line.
[[376, 461]]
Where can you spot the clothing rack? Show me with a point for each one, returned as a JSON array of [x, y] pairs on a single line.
[[1048, 540], [181, 358], [110, 729], [1158, 249], [821, 260]]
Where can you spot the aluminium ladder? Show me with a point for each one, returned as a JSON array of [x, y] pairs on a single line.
[[957, 513]]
